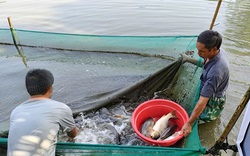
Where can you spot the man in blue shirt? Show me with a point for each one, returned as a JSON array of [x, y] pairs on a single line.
[[214, 79]]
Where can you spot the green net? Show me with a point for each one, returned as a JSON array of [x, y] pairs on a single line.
[[108, 70], [152, 46]]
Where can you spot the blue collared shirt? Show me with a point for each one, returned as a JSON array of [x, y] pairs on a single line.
[[215, 76]]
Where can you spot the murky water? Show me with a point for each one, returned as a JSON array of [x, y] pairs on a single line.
[[145, 17]]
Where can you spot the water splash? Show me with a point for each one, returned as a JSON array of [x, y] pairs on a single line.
[[107, 126]]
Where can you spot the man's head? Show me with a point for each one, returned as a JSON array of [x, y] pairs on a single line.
[[39, 82], [208, 43]]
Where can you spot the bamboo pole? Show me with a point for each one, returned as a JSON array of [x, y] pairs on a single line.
[[215, 14], [20, 50], [10, 24], [235, 116]]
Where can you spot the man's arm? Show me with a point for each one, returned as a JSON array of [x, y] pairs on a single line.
[[67, 122], [200, 106], [198, 62]]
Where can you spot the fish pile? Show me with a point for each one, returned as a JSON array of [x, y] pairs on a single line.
[[161, 129]]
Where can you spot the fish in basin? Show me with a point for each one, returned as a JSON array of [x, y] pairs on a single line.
[[147, 127], [170, 130], [161, 124]]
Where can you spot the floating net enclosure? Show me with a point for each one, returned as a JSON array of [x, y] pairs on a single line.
[[93, 71]]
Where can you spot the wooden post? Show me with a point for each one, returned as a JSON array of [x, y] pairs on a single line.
[[9, 21], [19, 50], [215, 14], [235, 116]]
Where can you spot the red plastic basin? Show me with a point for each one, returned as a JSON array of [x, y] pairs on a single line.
[[156, 108]]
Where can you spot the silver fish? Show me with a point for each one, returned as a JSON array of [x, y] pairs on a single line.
[[168, 131], [161, 125], [174, 135], [147, 127]]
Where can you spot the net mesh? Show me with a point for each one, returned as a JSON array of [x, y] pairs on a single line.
[[109, 69]]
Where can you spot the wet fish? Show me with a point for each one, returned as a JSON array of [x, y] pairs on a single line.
[[168, 131], [147, 127], [112, 132], [161, 125], [174, 135]]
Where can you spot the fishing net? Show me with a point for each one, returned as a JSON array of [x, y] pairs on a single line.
[[94, 71]]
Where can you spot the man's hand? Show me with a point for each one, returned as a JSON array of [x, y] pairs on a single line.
[[187, 129], [71, 139], [198, 62], [73, 133], [185, 58]]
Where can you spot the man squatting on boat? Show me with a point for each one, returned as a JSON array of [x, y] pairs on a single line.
[[214, 79], [35, 123]]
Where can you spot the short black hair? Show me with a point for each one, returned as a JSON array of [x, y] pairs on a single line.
[[210, 38], [38, 81]]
